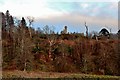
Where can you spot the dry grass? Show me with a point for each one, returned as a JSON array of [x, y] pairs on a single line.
[[39, 74], [32, 74]]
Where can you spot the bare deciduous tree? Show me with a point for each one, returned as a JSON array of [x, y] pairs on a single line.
[[30, 21], [86, 30], [49, 32]]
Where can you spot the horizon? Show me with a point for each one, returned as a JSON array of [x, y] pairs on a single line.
[[73, 14]]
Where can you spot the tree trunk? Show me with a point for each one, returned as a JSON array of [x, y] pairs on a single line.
[[25, 65], [30, 33]]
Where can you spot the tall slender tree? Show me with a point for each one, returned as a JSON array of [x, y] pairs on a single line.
[[86, 30], [49, 32], [30, 20]]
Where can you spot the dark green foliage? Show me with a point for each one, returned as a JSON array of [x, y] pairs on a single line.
[[70, 50], [36, 49]]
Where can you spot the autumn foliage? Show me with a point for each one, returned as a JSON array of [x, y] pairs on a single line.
[[24, 48]]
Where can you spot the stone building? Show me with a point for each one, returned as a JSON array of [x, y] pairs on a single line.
[[64, 30], [104, 34]]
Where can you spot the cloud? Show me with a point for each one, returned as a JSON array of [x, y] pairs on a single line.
[[101, 9], [36, 8], [84, 5], [46, 8], [76, 19], [93, 13], [83, 0], [75, 22], [99, 13]]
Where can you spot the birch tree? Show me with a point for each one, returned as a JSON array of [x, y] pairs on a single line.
[[49, 32], [25, 45], [30, 22]]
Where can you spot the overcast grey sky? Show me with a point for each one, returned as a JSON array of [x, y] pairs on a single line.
[[97, 13]]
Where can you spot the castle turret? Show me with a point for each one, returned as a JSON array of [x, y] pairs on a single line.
[[64, 31]]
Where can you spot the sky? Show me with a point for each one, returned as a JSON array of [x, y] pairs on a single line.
[[97, 14]]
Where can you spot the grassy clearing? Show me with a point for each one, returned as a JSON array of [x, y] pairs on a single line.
[[38, 74], [91, 76]]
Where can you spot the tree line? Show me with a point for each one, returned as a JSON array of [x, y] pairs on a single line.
[[24, 48]]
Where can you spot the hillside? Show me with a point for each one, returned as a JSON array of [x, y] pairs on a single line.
[[25, 49]]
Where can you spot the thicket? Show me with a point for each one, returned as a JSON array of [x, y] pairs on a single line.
[[24, 48]]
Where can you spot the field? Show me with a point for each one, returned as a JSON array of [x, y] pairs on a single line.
[[39, 74]]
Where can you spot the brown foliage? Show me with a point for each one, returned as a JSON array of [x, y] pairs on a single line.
[[26, 48]]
